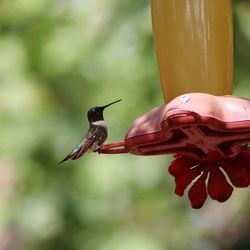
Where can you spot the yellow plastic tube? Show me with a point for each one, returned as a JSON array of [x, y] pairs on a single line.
[[194, 46]]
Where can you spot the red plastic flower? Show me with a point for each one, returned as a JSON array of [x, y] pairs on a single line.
[[215, 179]]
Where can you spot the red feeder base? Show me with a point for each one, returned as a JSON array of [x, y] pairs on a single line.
[[203, 131]]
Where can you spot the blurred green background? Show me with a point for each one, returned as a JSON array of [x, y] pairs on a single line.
[[57, 59]]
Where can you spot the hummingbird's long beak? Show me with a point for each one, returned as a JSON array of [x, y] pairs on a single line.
[[103, 107]]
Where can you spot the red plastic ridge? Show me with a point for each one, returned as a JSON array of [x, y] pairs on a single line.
[[197, 125]]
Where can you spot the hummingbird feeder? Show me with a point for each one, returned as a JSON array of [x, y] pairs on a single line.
[[209, 133]]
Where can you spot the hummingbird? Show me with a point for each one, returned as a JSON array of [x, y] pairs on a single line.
[[96, 135]]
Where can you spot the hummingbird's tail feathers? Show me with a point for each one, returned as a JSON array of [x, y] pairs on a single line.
[[65, 159], [79, 150], [83, 149], [70, 156]]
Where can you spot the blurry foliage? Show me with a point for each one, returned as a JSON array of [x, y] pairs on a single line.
[[57, 59]]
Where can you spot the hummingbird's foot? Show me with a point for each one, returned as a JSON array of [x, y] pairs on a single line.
[[97, 150]]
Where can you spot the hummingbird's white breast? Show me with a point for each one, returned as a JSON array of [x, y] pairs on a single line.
[[100, 123], [100, 129]]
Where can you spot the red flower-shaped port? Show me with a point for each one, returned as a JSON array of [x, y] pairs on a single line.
[[215, 179]]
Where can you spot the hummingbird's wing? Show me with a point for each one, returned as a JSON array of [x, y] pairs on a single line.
[[82, 147]]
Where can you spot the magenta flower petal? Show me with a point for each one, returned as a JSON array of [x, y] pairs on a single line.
[[180, 168], [186, 171], [183, 181], [198, 193], [238, 173], [218, 188], [245, 159]]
